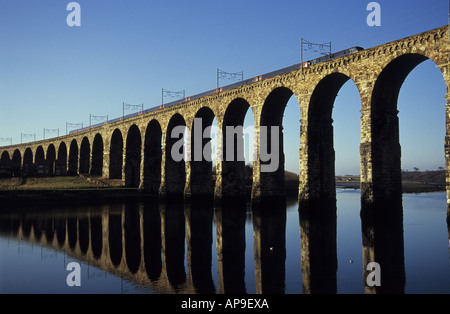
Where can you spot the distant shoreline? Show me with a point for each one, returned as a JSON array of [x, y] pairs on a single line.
[[412, 181], [407, 188]]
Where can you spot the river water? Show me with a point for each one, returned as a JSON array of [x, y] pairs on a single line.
[[152, 248]]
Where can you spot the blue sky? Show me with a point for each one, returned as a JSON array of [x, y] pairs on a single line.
[[127, 51]]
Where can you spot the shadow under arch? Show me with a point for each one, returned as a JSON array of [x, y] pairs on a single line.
[[85, 154], [116, 155], [39, 160], [51, 159], [5, 164], [73, 159], [97, 156], [320, 148], [174, 165], [17, 163], [27, 168], [384, 150], [272, 171], [133, 157], [61, 161], [230, 170], [201, 183], [152, 157]]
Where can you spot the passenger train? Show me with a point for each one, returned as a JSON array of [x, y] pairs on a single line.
[[304, 65]]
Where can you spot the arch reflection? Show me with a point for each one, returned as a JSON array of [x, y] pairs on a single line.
[[383, 243], [230, 245], [318, 246], [152, 240], [173, 240], [269, 231], [199, 227], [169, 247], [132, 237]]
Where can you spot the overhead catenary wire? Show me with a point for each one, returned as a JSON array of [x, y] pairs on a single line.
[[411, 15]]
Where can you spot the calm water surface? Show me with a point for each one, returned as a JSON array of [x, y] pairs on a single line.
[[150, 248]]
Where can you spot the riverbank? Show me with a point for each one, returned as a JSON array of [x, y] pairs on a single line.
[[76, 189], [89, 189], [407, 187]]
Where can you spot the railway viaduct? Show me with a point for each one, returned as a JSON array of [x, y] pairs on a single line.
[[137, 149]]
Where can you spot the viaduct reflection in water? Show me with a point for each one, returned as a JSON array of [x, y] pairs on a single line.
[[148, 243], [382, 238]]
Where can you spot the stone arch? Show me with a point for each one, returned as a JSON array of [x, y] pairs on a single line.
[[39, 155], [231, 167], [5, 165], [17, 163], [28, 164], [39, 160], [85, 154], [51, 159], [133, 157], [201, 181], [152, 157], [116, 155], [387, 86], [73, 158], [174, 165], [272, 180], [61, 162], [384, 148], [97, 155], [319, 138]]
